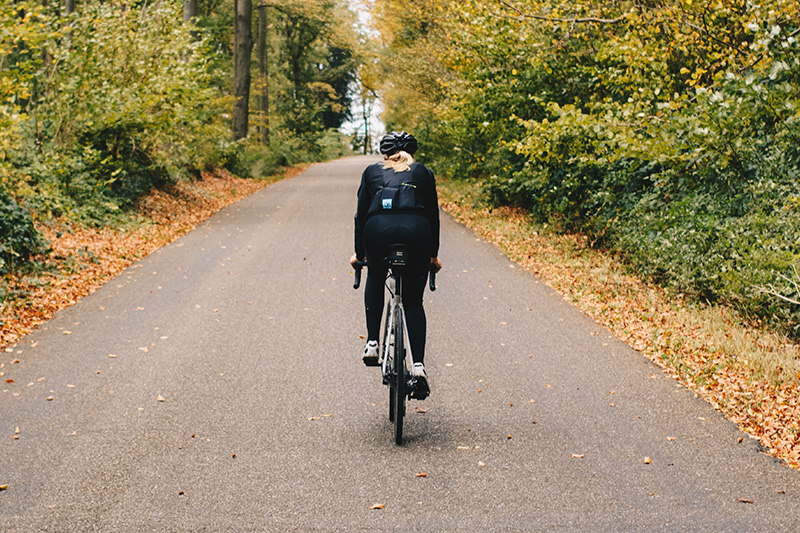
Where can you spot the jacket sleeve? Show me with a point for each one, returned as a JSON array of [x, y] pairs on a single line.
[[361, 214], [432, 214]]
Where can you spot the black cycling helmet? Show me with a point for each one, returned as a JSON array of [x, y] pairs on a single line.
[[394, 142]]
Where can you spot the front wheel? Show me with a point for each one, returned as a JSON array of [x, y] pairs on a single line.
[[398, 378]]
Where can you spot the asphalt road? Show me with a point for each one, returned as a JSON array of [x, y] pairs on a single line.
[[217, 385]]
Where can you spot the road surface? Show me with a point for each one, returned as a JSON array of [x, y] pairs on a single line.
[[217, 385]]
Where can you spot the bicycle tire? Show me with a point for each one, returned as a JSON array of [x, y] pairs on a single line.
[[399, 377], [388, 363], [386, 368]]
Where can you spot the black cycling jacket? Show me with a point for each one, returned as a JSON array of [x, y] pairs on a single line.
[[420, 177]]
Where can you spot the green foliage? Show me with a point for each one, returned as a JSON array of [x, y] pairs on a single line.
[[99, 107], [118, 100], [20, 240], [667, 131], [253, 160]]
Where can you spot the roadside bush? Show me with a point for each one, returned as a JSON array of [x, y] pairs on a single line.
[[669, 132], [121, 105], [20, 240]]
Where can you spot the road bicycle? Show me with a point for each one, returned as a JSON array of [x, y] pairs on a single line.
[[394, 355]]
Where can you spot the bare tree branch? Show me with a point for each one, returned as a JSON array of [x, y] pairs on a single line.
[[770, 289]]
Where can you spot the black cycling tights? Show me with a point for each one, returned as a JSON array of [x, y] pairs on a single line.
[[380, 232]]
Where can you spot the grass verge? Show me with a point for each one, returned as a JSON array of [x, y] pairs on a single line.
[[751, 376]]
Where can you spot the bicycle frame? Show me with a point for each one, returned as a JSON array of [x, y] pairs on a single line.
[[394, 288]]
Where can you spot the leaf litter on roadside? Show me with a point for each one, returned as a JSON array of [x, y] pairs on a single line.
[[645, 317]]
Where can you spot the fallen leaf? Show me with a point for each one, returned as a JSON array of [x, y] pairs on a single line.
[[161, 399], [647, 461], [377, 506], [481, 464], [3, 487], [49, 398], [741, 500], [420, 474], [576, 455]]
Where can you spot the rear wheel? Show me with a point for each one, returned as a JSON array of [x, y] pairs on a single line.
[[386, 347], [398, 378], [388, 357]]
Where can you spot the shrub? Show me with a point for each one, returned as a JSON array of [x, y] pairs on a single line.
[[20, 240]]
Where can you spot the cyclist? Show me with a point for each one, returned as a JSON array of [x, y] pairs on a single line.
[[398, 204]]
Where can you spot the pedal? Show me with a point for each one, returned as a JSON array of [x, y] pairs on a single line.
[[371, 361], [419, 390]]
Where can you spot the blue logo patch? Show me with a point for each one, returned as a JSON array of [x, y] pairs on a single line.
[[387, 203]]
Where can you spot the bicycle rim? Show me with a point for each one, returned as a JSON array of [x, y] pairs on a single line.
[[386, 354], [399, 377]]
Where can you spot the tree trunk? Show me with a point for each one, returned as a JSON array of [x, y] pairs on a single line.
[[69, 6], [263, 72], [189, 10], [243, 48]]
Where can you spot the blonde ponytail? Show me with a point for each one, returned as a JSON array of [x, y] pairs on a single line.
[[400, 161]]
